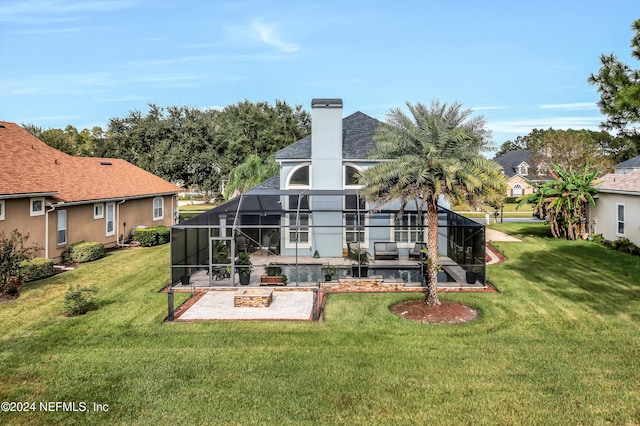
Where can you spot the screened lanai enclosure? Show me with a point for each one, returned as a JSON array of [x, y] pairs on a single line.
[[307, 232]]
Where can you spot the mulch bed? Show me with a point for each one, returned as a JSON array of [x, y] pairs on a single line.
[[445, 313]]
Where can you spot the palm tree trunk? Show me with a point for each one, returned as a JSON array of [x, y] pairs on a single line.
[[431, 292]]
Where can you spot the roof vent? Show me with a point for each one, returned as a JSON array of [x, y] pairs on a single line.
[[105, 163], [2, 126]]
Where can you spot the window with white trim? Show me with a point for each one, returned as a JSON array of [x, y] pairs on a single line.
[[407, 229], [111, 219], [36, 207], [351, 176], [620, 212], [542, 170], [98, 211], [299, 176], [1, 209], [299, 224], [355, 220], [62, 227], [517, 190], [158, 208], [523, 169]]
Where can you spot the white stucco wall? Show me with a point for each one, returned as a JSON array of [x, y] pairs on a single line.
[[603, 217]]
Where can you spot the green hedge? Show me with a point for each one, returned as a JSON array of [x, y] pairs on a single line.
[[84, 251], [36, 269], [152, 236]]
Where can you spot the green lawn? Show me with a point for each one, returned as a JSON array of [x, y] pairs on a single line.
[[508, 210], [560, 344]]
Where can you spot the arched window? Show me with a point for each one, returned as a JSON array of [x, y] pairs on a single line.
[[517, 190], [299, 176], [350, 176]]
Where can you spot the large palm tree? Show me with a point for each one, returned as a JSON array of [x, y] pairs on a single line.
[[434, 152]]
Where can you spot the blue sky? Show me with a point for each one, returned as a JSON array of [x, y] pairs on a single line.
[[521, 64]]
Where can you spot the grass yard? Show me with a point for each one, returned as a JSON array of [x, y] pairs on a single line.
[[560, 344], [509, 211]]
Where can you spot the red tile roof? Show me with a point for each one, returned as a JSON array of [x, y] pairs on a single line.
[[31, 166]]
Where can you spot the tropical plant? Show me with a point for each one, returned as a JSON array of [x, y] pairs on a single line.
[[13, 250], [248, 174], [358, 255], [562, 201], [432, 153], [244, 261]]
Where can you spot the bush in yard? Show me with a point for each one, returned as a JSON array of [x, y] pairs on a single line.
[[36, 269], [79, 300], [154, 236], [84, 251], [13, 250]]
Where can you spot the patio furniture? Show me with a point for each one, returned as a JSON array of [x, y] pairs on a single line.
[[385, 250], [416, 251], [274, 243], [241, 243]]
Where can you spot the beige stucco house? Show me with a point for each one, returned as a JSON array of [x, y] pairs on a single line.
[[522, 172], [617, 212], [59, 199]]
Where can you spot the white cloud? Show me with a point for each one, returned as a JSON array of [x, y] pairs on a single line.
[[263, 33], [267, 34], [523, 127], [580, 106], [42, 11]]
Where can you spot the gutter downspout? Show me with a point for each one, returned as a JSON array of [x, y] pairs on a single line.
[[118, 226], [46, 230]]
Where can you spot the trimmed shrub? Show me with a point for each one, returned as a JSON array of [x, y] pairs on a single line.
[[164, 234], [36, 269], [511, 200], [84, 251], [154, 236], [79, 300]]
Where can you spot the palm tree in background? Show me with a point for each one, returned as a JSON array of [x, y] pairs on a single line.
[[251, 172], [434, 152]]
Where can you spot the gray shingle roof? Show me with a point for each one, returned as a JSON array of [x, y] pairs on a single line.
[[297, 150], [512, 159], [632, 162], [357, 131]]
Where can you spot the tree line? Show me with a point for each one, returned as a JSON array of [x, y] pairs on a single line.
[[185, 145]]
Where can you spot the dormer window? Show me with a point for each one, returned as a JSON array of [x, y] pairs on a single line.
[[523, 169], [542, 170]]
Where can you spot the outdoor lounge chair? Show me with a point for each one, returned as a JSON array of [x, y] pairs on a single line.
[[415, 252], [385, 250]]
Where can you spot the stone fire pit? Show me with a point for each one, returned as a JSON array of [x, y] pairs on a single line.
[[253, 298]]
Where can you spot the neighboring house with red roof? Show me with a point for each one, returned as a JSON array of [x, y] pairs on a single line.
[[59, 199], [521, 171], [617, 210]]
